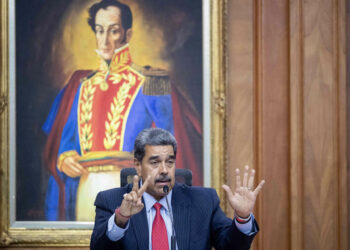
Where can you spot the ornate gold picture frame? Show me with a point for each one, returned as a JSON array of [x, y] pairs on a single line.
[[14, 233]]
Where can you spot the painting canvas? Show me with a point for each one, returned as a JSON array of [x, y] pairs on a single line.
[[58, 69]]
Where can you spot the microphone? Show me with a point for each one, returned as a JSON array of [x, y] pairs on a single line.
[[173, 239]]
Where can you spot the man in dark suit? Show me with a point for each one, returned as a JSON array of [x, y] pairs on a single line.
[[139, 216]]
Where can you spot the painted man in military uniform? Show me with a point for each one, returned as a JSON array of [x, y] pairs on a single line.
[[97, 116]]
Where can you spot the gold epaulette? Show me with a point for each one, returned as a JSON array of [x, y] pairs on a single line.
[[156, 80]]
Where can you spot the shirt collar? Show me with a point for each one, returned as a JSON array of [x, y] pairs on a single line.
[[150, 201], [121, 58], [116, 51]]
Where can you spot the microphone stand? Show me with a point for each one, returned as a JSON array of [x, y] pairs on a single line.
[[173, 239]]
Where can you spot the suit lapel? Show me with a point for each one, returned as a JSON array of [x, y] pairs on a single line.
[[181, 205], [140, 226]]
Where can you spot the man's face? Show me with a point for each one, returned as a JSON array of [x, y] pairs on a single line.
[[110, 35], [158, 164]]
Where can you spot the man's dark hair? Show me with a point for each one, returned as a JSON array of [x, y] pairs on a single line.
[[153, 137], [126, 15]]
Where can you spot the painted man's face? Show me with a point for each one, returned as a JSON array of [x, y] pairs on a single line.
[[110, 35], [158, 164]]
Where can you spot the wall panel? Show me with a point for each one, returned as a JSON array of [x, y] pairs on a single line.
[[299, 118], [240, 90], [320, 128]]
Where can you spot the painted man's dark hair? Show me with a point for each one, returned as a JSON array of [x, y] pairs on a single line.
[[153, 137], [126, 15]]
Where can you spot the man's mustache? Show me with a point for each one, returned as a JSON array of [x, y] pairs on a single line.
[[163, 179]]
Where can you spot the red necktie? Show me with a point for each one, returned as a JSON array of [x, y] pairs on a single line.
[[159, 234]]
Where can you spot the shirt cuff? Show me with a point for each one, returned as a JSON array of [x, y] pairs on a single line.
[[246, 228], [115, 233]]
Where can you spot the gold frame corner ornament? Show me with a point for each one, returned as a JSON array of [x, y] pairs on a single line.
[[3, 103], [46, 237], [5, 239]]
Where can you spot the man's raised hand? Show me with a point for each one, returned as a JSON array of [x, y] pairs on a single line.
[[242, 200], [132, 202]]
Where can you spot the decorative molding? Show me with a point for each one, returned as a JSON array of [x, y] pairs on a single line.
[[218, 100], [46, 238], [340, 9], [3, 103], [220, 104], [5, 239], [296, 123]]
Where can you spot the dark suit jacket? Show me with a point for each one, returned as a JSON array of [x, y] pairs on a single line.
[[198, 218]]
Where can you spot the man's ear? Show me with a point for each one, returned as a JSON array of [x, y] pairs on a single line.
[[137, 165], [128, 35]]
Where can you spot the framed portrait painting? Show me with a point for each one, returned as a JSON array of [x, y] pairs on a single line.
[[79, 81]]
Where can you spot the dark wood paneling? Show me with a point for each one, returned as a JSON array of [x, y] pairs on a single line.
[[298, 136], [273, 120], [240, 95], [320, 127]]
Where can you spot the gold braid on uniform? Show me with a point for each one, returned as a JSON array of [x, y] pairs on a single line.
[[156, 80]]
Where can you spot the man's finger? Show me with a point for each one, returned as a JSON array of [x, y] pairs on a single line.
[[251, 179], [259, 187], [245, 176], [133, 195], [135, 186], [75, 170], [238, 179], [77, 164], [139, 202], [128, 197], [79, 168], [144, 187], [70, 173], [140, 205], [228, 191]]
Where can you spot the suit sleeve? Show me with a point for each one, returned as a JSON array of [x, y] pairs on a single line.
[[224, 232], [99, 238]]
